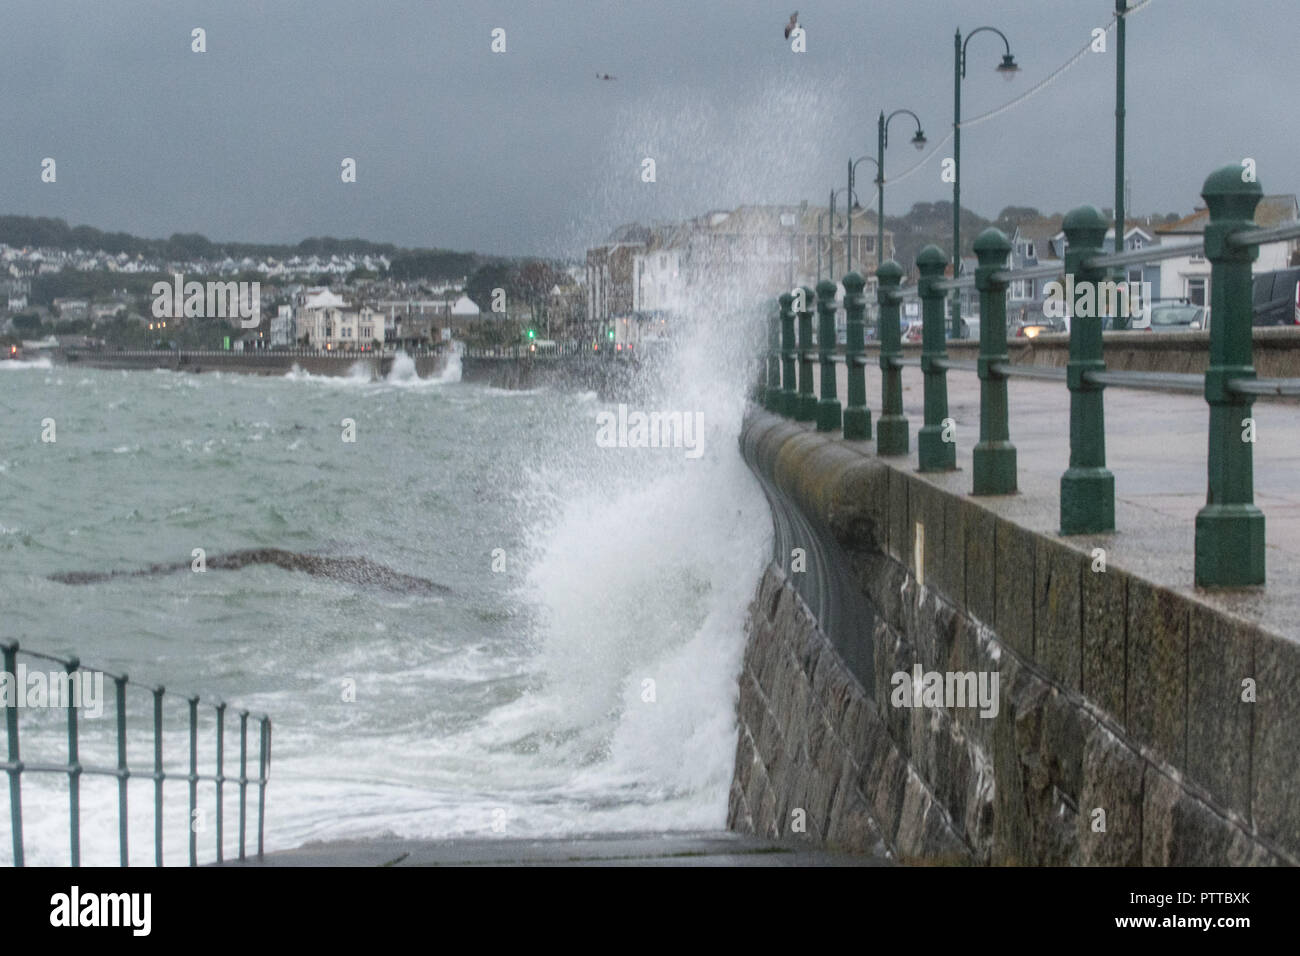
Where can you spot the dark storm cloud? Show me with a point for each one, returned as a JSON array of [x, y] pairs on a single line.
[[528, 151]]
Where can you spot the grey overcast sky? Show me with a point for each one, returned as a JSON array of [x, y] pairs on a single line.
[[527, 152]]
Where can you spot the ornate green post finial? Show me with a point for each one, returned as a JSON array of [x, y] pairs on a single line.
[[772, 393], [1230, 528], [994, 455], [1087, 487], [789, 390], [936, 442], [891, 430], [806, 409], [828, 409], [857, 417]]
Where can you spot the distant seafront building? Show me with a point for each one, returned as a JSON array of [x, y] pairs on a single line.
[[282, 326], [318, 314], [611, 274], [1188, 277], [644, 280], [777, 247]]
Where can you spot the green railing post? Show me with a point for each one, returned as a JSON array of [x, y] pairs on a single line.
[[936, 453], [264, 765], [15, 762], [1230, 528], [828, 409], [221, 774], [123, 774], [857, 417], [789, 355], [194, 781], [994, 455], [807, 405], [1087, 487], [243, 780], [74, 771], [158, 776], [891, 430], [772, 395]]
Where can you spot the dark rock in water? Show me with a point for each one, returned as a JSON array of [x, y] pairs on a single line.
[[353, 570]]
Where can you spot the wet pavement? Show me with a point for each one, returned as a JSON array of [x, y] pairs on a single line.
[[623, 849], [1156, 446]]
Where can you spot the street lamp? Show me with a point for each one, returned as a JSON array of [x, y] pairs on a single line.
[[853, 168], [882, 141], [830, 231], [1121, 14], [821, 217], [1008, 69]]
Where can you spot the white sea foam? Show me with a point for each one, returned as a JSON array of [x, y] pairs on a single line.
[[16, 365]]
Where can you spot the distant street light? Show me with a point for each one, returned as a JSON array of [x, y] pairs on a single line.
[[1008, 69], [830, 231], [853, 167], [882, 143], [1121, 13]]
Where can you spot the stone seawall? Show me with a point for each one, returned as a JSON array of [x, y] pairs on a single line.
[[610, 379], [1120, 736]]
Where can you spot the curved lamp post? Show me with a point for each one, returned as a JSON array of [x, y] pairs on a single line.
[[821, 216], [830, 232], [882, 142], [1008, 69], [853, 168]]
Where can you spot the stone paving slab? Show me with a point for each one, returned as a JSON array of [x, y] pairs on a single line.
[[1156, 446], [624, 849]]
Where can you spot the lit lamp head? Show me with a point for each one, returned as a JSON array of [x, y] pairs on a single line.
[[1008, 67]]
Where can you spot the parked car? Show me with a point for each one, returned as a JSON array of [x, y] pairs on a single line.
[[1170, 317], [1034, 327], [1275, 298]]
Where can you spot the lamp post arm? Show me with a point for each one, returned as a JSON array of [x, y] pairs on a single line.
[[1005, 42], [854, 167], [892, 115]]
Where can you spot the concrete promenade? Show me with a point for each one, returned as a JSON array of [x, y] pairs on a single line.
[[623, 849], [1156, 446]]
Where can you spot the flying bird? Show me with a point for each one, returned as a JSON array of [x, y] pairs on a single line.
[[605, 76], [794, 22]]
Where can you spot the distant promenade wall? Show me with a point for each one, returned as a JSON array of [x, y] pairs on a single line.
[[260, 362], [1121, 734], [609, 378]]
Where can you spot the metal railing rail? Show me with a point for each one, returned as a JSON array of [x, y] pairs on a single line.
[[1157, 253], [74, 769], [1258, 237], [1229, 529]]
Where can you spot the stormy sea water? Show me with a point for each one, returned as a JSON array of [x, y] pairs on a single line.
[[544, 636]]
